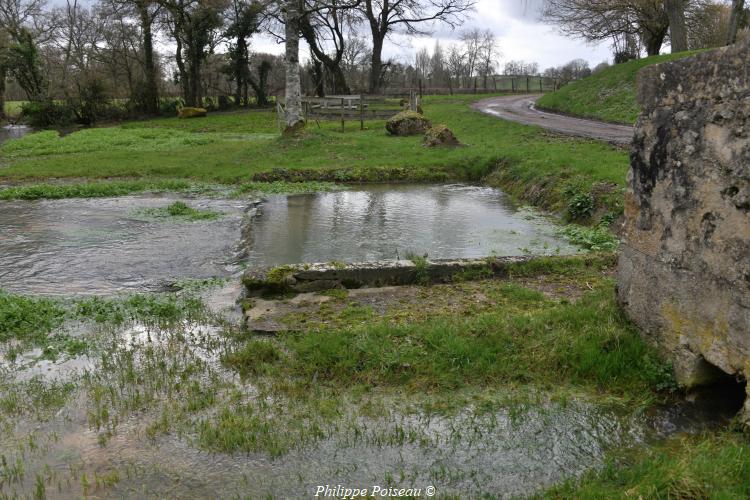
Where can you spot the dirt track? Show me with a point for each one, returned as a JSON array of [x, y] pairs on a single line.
[[520, 108]]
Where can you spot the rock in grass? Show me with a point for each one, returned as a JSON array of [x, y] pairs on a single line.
[[191, 112], [407, 123], [440, 135]]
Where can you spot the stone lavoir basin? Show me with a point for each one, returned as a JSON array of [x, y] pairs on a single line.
[[386, 222], [109, 245]]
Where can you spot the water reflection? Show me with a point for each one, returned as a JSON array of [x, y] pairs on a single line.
[[388, 222]]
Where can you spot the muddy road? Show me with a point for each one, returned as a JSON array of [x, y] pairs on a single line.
[[520, 108]]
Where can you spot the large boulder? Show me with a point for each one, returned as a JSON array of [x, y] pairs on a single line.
[[440, 135], [684, 271], [407, 123], [187, 112]]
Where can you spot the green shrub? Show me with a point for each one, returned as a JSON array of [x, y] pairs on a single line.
[[596, 239], [581, 206], [43, 114]]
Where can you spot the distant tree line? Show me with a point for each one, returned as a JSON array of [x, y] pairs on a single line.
[[81, 60]]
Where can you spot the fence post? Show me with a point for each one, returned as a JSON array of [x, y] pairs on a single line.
[[361, 112], [541, 89], [527, 85], [513, 85], [420, 87], [342, 114]]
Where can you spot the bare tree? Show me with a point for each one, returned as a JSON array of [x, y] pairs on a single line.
[[488, 54], [521, 68], [146, 12], [384, 17], [456, 65], [596, 20], [327, 23]]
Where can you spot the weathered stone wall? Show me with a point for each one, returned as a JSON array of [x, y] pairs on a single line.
[[684, 271]]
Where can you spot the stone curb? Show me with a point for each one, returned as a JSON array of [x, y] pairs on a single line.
[[326, 276]]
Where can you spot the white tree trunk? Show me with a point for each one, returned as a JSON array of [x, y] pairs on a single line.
[[293, 110]]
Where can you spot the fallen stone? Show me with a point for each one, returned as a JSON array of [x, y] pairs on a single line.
[[186, 112]]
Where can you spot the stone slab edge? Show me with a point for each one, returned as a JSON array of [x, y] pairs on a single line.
[[327, 276]]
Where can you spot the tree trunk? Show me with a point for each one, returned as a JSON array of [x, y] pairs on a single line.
[[318, 78], [293, 111], [194, 82], [182, 71], [2, 92], [738, 7], [677, 30], [653, 43], [376, 64], [240, 69], [151, 95]]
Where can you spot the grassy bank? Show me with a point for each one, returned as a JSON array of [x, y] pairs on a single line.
[[241, 147], [715, 465], [608, 95]]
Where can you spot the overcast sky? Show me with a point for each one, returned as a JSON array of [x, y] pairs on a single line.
[[515, 25]]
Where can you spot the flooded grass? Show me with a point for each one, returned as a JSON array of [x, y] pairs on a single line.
[[713, 465], [181, 210], [105, 189], [489, 386]]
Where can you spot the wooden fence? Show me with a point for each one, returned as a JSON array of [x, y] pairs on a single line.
[[359, 108], [497, 83]]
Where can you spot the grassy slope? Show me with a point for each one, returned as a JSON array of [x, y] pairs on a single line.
[[608, 95], [232, 148]]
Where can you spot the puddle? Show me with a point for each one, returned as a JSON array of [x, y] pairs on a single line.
[[501, 454], [391, 221], [9, 132], [467, 455], [105, 246], [514, 450]]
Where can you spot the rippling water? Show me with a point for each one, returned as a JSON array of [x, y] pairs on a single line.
[[391, 221], [13, 132], [104, 246]]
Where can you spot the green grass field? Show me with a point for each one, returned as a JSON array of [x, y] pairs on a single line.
[[13, 108], [608, 95], [237, 147]]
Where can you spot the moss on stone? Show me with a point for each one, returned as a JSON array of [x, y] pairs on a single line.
[[407, 123], [440, 135], [188, 112]]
